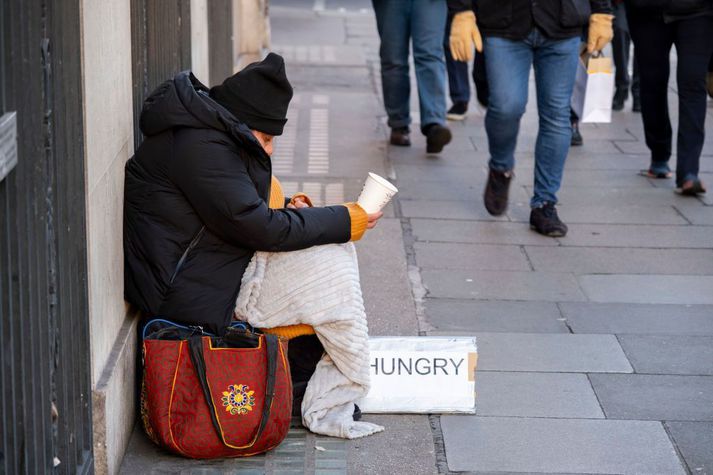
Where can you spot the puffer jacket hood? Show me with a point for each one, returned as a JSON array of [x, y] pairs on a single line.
[[184, 102]]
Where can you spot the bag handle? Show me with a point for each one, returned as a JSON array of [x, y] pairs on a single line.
[[271, 344]]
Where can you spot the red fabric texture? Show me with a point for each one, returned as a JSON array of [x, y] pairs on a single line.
[[175, 413]]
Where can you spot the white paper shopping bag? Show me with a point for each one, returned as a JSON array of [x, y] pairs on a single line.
[[599, 92]]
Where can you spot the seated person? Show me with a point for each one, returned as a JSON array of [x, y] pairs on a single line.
[[200, 199]]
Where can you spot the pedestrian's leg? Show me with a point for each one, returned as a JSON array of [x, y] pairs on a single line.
[[508, 69], [635, 86], [508, 65], [428, 22], [480, 79], [652, 43], [555, 63], [694, 45], [458, 84], [620, 49], [393, 20]]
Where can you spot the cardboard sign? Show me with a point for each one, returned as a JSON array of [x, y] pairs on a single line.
[[421, 375]]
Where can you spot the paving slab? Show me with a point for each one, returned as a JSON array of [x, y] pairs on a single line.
[[603, 214], [600, 178], [502, 285], [669, 354], [589, 317], [559, 353], [665, 289], [696, 212], [519, 211], [625, 164], [628, 235], [559, 395], [464, 210], [594, 146], [611, 260], [479, 233], [419, 172], [406, 446], [387, 293], [654, 397], [694, 440], [615, 197], [437, 255], [311, 29], [494, 316], [482, 444]]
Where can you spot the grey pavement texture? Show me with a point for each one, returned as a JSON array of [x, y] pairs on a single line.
[[595, 349]]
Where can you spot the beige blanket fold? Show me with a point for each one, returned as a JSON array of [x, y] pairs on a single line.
[[320, 287]]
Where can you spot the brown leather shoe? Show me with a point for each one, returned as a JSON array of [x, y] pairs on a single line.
[[400, 137]]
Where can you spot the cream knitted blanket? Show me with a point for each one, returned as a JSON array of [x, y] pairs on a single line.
[[320, 287]]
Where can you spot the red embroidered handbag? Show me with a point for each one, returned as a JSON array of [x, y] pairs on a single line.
[[204, 396]]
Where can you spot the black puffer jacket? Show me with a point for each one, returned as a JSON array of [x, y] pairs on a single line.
[[195, 209], [514, 19]]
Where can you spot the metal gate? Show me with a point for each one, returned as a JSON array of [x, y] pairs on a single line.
[[44, 357], [160, 47]]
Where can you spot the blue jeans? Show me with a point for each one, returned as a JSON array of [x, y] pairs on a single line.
[[421, 23], [508, 65], [458, 81]]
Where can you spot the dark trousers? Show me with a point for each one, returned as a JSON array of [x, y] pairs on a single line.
[[621, 46], [653, 39], [458, 85]]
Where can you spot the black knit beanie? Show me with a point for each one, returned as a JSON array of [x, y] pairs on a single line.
[[258, 95]]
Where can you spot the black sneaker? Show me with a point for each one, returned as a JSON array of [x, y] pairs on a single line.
[[577, 138], [545, 221], [437, 136], [496, 192], [458, 111]]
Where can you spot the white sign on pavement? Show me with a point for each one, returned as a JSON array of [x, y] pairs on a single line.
[[421, 375]]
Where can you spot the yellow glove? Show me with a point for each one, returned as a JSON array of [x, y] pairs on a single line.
[[465, 33], [600, 31]]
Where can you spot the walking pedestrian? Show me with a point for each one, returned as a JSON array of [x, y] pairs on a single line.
[[420, 23], [458, 85], [517, 35], [621, 47], [655, 27]]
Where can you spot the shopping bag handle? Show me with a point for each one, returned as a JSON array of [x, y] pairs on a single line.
[[195, 346]]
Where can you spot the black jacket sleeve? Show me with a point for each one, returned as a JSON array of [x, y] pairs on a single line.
[[601, 6], [216, 182], [456, 6]]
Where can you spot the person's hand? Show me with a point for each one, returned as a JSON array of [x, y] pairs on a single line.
[[464, 34], [373, 219], [600, 31], [298, 202]]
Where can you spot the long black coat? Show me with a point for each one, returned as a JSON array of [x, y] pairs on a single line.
[[195, 209]]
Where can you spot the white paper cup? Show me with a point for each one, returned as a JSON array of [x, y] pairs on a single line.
[[377, 192]]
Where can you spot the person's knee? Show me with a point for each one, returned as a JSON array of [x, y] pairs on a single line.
[[555, 116], [506, 107], [426, 56]]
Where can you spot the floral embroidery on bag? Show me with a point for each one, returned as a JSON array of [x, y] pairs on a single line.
[[238, 400]]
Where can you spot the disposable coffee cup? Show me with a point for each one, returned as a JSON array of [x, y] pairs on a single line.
[[377, 192]]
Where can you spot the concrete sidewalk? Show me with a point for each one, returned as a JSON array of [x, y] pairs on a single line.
[[596, 350]]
